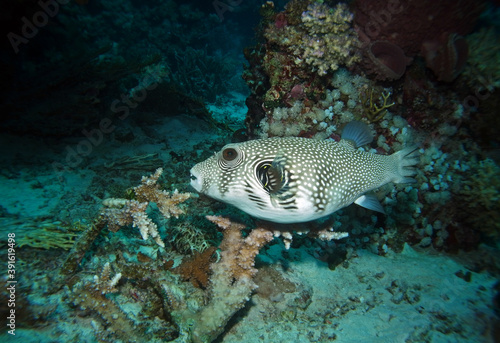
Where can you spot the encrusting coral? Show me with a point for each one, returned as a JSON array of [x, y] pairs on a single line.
[[324, 39]]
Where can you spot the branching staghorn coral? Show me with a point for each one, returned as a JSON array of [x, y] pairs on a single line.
[[197, 267], [130, 212], [231, 283], [149, 191], [89, 295], [121, 212], [238, 254]]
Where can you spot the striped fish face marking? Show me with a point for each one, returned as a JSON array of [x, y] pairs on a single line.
[[251, 176]]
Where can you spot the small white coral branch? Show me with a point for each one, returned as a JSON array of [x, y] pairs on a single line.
[[146, 226], [103, 283], [324, 235], [131, 212], [328, 235]]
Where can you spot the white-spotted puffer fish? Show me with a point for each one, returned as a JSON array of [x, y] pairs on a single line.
[[291, 180]]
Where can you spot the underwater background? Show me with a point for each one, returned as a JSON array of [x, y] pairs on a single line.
[[107, 105]]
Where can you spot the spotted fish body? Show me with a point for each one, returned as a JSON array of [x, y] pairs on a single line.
[[290, 180]]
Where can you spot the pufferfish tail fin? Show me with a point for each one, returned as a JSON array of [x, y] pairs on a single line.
[[404, 164]]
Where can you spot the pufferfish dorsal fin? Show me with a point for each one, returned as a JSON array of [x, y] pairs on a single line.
[[356, 134], [276, 179]]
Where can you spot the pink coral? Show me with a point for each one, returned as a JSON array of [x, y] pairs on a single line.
[[231, 283]]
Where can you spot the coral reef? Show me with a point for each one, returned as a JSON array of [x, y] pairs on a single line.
[[346, 101], [302, 46], [324, 39], [225, 277], [414, 71]]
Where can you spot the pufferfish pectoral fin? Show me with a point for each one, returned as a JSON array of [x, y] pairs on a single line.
[[276, 181], [370, 202]]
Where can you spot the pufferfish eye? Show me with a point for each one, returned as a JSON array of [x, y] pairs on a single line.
[[229, 154], [230, 157]]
